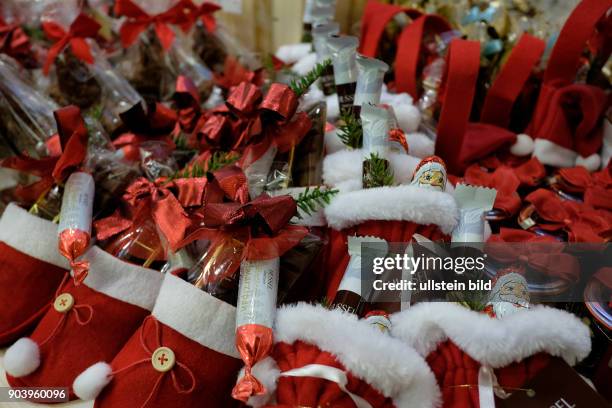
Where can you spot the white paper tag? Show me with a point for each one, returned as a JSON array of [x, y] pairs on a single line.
[[77, 203], [257, 292], [351, 281]]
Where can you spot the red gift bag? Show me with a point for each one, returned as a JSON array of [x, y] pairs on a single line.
[[87, 323], [31, 269], [330, 358], [472, 354], [183, 355]]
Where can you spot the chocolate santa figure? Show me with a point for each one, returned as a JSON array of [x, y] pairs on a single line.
[[430, 173], [509, 294]]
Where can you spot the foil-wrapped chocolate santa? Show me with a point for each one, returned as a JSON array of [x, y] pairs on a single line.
[[509, 294], [430, 173]]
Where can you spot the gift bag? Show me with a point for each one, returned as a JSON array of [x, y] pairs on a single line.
[[182, 355], [88, 323], [31, 269], [475, 357], [326, 357]]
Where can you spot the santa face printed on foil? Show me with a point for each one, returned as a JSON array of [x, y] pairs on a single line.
[[430, 173], [509, 295]]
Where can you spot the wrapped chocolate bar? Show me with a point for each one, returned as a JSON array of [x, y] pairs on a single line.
[[473, 203], [26, 115], [309, 6], [370, 75], [321, 35], [75, 222], [377, 170], [349, 296], [344, 56]]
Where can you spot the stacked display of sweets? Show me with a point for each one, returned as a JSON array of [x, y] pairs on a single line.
[[415, 212]]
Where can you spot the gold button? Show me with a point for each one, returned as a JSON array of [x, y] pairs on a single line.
[[63, 303], [163, 359]]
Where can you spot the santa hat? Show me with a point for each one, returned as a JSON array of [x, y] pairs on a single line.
[[31, 269], [461, 344], [87, 323], [347, 362], [183, 354]]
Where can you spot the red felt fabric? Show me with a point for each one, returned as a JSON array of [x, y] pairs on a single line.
[[392, 231], [74, 347], [316, 392], [453, 367], [27, 287], [215, 373]]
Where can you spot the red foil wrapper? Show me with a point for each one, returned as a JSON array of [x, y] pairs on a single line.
[[280, 99], [244, 98], [254, 342], [72, 244]]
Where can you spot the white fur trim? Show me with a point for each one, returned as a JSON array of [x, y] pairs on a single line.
[[31, 235], [267, 372], [408, 117], [332, 142], [291, 53], [347, 165], [494, 342], [305, 64], [402, 203], [385, 363], [419, 145], [92, 381], [22, 358], [523, 146], [552, 154], [333, 107], [124, 281], [590, 163], [197, 315]]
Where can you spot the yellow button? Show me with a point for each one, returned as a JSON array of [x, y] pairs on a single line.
[[163, 359], [63, 303]]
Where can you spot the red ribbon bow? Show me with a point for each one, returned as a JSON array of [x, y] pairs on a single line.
[[138, 21], [581, 222], [82, 27], [204, 12], [234, 73], [596, 187], [187, 101], [73, 136], [503, 180], [541, 253], [13, 40]]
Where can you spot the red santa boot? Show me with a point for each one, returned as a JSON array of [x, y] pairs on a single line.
[[31, 269], [89, 322], [325, 358], [476, 358], [183, 355]]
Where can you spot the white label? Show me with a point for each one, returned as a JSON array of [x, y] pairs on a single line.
[[257, 292], [77, 203], [470, 227], [351, 281]]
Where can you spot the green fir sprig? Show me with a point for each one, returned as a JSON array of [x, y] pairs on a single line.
[[222, 159], [351, 132], [301, 85], [311, 199], [377, 172]]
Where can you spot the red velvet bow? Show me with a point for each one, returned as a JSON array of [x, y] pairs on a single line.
[[13, 40], [204, 12], [541, 253], [138, 21], [503, 180], [73, 136], [145, 197], [596, 187], [234, 73], [82, 27], [581, 222]]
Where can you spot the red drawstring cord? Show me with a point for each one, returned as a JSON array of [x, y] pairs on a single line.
[[175, 382], [64, 317]]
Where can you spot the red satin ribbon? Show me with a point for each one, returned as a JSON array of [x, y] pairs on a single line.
[[204, 12], [540, 253], [138, 21], [13, 40], [234, 73], [504, 180], [581, 222], [187, 101], [82, 27], [596, 187], [73, 137]]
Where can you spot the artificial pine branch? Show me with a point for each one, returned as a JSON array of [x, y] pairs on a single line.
[[377, 172], [222, 159], [309, 200], [351, 132], [301, 85]]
